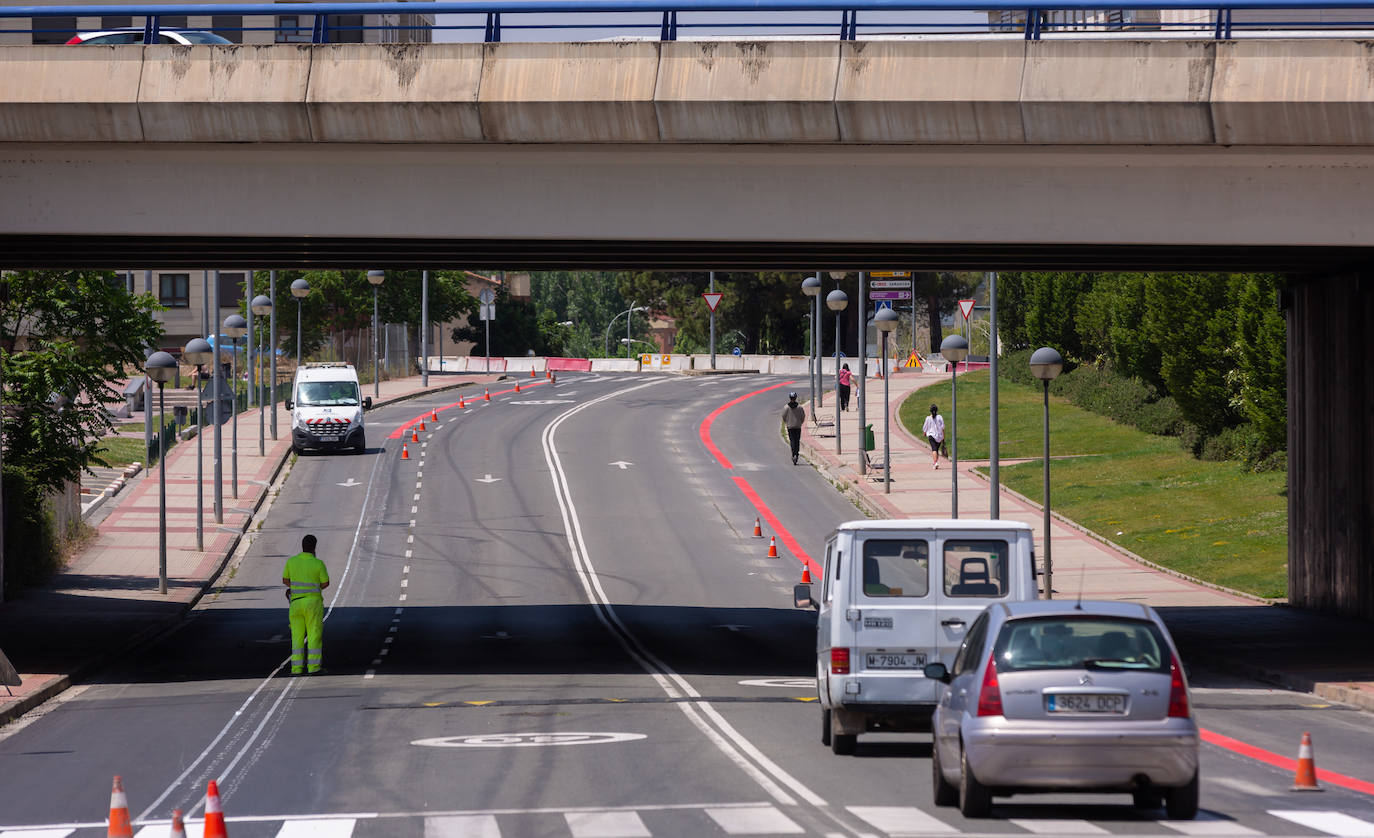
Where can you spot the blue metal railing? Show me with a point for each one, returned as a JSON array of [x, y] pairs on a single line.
[[1032, 21]]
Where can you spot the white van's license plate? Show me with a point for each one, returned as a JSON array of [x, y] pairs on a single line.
[[1086, 703], [884, 660]]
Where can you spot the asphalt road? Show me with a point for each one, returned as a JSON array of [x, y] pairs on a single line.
[[553, 619]]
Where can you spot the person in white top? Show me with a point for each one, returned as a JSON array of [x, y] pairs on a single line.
[[934, 429]]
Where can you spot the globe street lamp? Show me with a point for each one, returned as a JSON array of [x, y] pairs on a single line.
[[1046, 364], [954, 349], [262, 307], [836, 301], [300, 289], [199, 352], [886, 321], [606, 338], [811, 287], [375, 279], [161, 367], [235, 327]]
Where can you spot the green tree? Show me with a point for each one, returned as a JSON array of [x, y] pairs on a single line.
[[1191, 317], [520, 328], [1260, 375]]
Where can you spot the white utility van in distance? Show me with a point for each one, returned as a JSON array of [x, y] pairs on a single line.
[[326, 408], [896, 595]]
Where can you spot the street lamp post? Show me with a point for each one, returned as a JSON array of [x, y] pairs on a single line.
[[376, 278], [300, 289], [199, 352], [606, 338], [954, 349], [235, 327], [811, 287], [1046, 364], [161, 367], [886, 321], [262, 307], [272, 342], [836, 301]]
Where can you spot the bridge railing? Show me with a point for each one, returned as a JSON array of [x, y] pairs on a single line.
[[668, 20]]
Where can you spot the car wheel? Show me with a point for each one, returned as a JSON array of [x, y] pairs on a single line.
[[975, 801], [945, 792], [840, 743], [361, 446], [1146, 799], [1180, 803], [825, 727]]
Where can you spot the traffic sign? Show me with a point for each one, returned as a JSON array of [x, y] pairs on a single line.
[[882, 304], [889, 273], [487, 296], [889, 295], [966, 306], [890, 283], [487, 312], [712, 299]]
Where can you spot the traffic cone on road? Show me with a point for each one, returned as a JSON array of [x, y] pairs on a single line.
[[405, 452], [422, 423], [1306, 777], [758, 528], [214, 813], [414, 435], [178, 826], [806, 575], [531, 372], [120, 826], [548, 373], [772, 546], [434, 415], [462, 405], [486, 394], [517, 386]]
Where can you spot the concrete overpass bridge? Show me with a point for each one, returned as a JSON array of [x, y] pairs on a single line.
[[986, 152]]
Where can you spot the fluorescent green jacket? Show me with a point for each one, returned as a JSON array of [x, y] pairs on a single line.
[[308, 576]]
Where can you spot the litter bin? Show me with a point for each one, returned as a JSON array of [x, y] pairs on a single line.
[[869, 444]]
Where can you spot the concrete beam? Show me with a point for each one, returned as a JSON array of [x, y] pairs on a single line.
[[747, 91], [395, 93], [1298, 92], [569, 93], [65, 95], [223, 94]]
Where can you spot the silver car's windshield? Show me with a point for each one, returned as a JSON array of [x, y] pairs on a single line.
[[327, 394], [1081, 643]]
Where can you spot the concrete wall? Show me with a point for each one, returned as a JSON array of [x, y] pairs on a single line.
[[1306, 92]]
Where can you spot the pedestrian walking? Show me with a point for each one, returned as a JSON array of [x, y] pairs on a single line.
[[793, 416], [846, 379], [934, 429], [305, 578]]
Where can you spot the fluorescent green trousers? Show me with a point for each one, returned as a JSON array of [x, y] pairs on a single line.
[[307, 634]]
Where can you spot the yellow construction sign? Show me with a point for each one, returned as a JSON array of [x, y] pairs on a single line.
[[913, 361]]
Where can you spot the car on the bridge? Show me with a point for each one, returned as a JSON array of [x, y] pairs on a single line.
[[135, 36], [1065, 696]]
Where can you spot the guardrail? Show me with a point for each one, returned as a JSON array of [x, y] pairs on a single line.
[[881, 17]]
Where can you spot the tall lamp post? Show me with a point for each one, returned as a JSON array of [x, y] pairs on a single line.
[[300, 289], [199, 352], [954, 349], [262, 307], [161, 367], [886, 321], [375, 279], [811, 287], [1046, 364], [836, 301], [606, 338], [235, 327]]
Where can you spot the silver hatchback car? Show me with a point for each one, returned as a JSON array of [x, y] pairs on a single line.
[[1062, 696]]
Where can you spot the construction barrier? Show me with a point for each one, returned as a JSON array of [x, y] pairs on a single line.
[[568, 364], [615, 365]]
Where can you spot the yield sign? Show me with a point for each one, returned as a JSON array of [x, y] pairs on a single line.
[[966, 306], [712, 299]]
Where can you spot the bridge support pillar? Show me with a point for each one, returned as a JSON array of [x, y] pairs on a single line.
[[1331, 444]]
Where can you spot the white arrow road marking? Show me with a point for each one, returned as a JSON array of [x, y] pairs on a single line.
[[350, 484], [488, 479], [622, 463]]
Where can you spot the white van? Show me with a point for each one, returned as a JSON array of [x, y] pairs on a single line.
[[326, 408], [896, 595]]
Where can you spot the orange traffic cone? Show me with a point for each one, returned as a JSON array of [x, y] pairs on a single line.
[[462, 405], [434, 415], [1306, 777], [517, 386], [486, 394], [548, 373], [214, 813], [120, 826], [531, 372], [806, 575], [405, 452], [772, 546], [414, 435], [758, 529], [178, 826], [422, 423]]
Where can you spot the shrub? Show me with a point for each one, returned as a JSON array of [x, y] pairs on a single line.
[[31, 549]]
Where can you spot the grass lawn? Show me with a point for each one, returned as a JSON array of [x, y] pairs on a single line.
[[120, 451], [1214, 521]]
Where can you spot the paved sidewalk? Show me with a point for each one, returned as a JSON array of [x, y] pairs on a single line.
[[1226, 630], [106, 600]]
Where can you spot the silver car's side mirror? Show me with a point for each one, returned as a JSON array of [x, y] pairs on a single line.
[[367, 403], [801, 596], [290, 405], [936, 671]]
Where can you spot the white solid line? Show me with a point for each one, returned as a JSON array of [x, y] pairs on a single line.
[[60, 832], [1334, 823], [410, 539], [392, 629], [462, 826], [384, 652], [405, 583], [606, 825], [376, 661], [1049, 826], [317, 828], [764, 820], [901, 820]]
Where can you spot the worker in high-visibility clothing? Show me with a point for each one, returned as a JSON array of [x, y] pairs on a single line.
[[305, 578]]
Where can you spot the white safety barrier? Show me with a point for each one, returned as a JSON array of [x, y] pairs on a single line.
[[790, 365], [615, 365], [660, 362], [526, 363]]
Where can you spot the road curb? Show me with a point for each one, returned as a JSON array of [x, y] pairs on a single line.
[[154, 630]]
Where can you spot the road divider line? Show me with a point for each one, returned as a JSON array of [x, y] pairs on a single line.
[[705, 432], [396, 434]]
